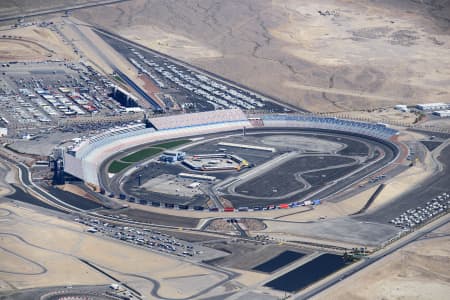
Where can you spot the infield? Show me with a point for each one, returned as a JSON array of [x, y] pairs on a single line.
[[303, 165]]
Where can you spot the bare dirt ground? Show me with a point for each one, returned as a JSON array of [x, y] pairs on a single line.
[[322, 55], [221, 225], [382, 115], [7, 175], [418, 271], [21, 7], [37, 250], [32, 43], [436, 123]]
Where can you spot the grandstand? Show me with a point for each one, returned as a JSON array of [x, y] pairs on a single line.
[[86, 157], [198, 119], [375, 130], [118, 130]]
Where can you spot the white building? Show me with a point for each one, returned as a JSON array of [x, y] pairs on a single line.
[[433, 106], [442, 113], [401, 107]]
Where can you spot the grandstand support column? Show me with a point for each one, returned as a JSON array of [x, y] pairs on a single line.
[[243, 131]]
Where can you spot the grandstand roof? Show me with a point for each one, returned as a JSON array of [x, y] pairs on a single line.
[[201, 118], [376, 130]]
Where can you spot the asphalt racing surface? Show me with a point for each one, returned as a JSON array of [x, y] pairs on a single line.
[[314, 173], [281, 180], [326, 181]]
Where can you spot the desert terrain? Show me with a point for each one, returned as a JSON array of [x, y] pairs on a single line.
[[418, 271], [56, 256], [32, 44], [10, 10], [322, 55]]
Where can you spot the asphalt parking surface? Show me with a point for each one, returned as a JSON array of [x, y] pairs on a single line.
[[153, 218], [431, 145], [20, 195], [73, 199]]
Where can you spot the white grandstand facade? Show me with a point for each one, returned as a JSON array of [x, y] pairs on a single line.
[[84, 159]]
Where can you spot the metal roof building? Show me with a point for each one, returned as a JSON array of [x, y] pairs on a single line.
[[442, 113], [433, 106]]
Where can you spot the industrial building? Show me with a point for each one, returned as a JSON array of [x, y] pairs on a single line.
[[401, 107], [172, 156], [442, 113], [432, 106], [197, 176], [124, 98]]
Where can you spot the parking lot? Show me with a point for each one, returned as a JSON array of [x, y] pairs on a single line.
[[187, 89], [420, 215], [38, 97], [153, 240]]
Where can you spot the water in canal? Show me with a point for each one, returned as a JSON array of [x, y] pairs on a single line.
[[308, 273], [278, 261]]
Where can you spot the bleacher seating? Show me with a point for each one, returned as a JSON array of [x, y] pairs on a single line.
[[83, 146], [371, 129], [196, 119]]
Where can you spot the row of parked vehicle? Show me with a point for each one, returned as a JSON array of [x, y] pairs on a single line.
[[415, 216], [213, 209], [148, 238]]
